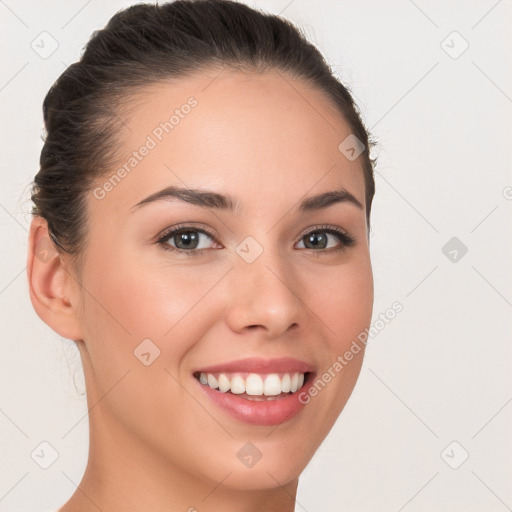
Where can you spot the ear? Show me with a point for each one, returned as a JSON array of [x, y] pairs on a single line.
[[53, 288]]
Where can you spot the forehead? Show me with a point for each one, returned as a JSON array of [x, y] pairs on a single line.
[[235, 132]]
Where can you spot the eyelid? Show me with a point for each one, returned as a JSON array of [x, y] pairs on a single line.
[[184, 226], [323, 227]]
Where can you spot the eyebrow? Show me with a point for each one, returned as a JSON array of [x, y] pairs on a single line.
[[210, 199]]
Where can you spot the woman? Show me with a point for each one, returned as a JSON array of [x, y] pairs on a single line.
[[201, 231]]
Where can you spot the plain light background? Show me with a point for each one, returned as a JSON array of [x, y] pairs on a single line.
[[428, 424]]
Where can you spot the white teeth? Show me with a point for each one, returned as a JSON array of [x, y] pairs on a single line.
[[237, 385], [224, 383], [294, 385], [254, 384], [212, 381], [268, 385], [286, 383], [272, 385]]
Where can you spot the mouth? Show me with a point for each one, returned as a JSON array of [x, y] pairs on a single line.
[[255, 386], [256, 391]]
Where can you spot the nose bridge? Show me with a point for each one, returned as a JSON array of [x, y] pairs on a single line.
[[264, 290]]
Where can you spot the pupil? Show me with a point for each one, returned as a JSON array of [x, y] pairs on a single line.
[[313, 239], [188, 237]]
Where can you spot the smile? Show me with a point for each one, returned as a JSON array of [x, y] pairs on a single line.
[[254, 385], [256, 391]]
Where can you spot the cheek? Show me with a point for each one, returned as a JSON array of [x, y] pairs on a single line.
[[342, 299], [131, 300]]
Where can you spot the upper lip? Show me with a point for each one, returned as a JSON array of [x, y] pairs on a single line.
[[260, 365]]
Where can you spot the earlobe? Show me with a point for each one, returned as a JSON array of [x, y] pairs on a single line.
[[52, 287]]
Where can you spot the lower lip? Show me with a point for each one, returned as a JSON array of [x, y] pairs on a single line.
[[264, 412]]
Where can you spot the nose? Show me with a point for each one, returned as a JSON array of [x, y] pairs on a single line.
[[264, 296]]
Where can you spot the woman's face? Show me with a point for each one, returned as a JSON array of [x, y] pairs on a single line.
[[246, 293]]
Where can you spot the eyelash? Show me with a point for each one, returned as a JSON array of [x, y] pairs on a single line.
[[345, 239]]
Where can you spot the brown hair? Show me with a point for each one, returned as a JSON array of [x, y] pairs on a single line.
[[143, 44]]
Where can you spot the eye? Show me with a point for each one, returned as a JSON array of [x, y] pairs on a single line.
[[319, 239], [188, 240]]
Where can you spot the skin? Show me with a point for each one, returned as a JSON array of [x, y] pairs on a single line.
[[156, 442]]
